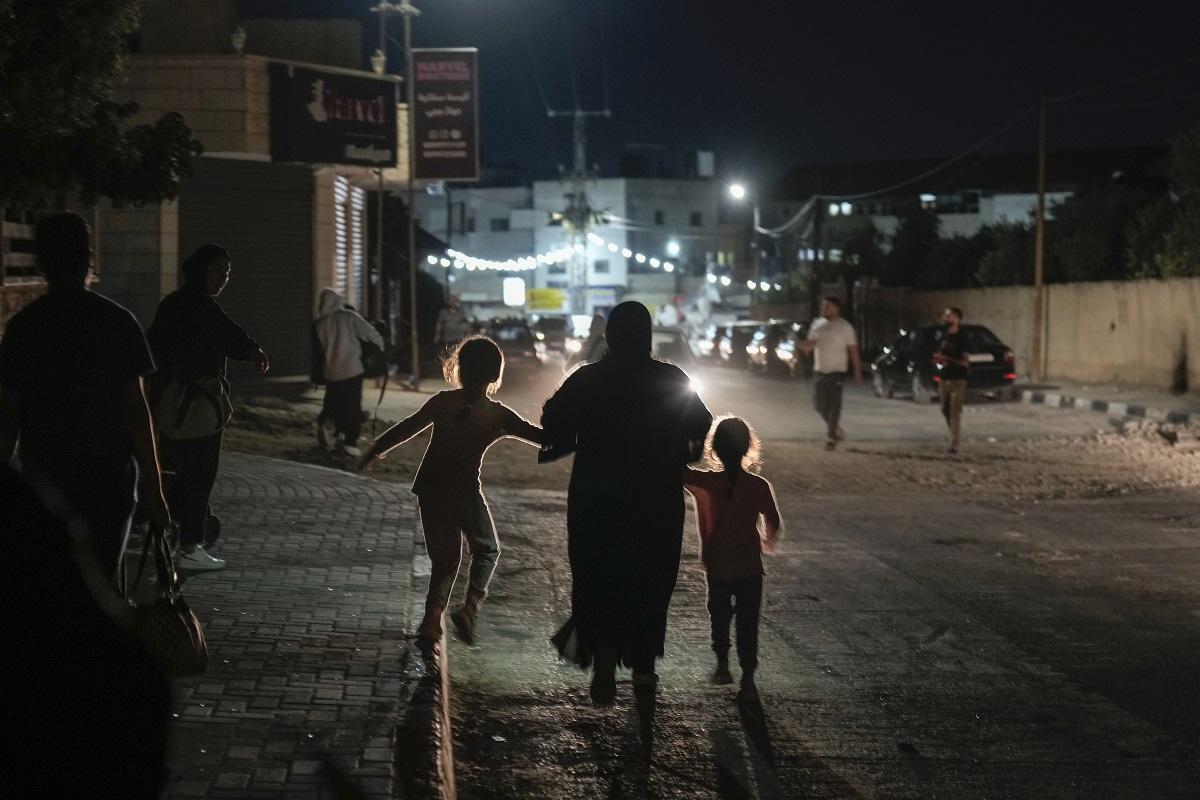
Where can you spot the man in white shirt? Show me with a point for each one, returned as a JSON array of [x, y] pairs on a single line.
[[835, 345]]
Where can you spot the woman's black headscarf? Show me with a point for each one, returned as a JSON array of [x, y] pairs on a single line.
[[629, 331], [197, 263]]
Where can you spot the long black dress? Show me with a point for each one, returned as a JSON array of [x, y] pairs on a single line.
[[632, 423]]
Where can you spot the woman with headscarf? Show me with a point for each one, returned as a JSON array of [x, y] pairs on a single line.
[[191, 338], [632, 422]]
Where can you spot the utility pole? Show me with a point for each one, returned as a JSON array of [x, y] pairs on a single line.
[[1039, 246], [449, 226], [578, 214], [408, 11], [814, 277]]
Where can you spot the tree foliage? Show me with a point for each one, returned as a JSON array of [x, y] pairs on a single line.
[[60, 133], [915, 238], [1180, 254]]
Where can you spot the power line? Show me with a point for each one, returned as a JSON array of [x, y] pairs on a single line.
[[537, 76], [1162, 101], [570, 61], [1122, 82], [930, 172]]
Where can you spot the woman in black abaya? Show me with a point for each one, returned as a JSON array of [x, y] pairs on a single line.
[[632, 422]]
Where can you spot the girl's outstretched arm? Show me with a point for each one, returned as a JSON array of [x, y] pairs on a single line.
[[516, 425], [400, 433]]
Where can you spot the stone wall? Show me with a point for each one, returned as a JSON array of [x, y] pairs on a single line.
[[1133, 332], [139, 256], [224, 98]]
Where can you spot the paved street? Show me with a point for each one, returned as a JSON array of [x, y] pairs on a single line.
[[1019, 621], [932, 628], [911, 648], [306, 632]]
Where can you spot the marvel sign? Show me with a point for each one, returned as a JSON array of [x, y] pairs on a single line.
[[329, 117], [446, 114]]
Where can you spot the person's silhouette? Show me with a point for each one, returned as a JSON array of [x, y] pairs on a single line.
[[71, 370], [632, 422]]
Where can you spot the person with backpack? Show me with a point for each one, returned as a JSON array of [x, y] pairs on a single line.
[[191, 338], [340, 334]]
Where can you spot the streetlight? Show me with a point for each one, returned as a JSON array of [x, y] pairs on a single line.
[[739, 193], [407, 10], [672, 248]]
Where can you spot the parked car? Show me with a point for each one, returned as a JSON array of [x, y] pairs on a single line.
[[518, 343], [553, 331], [907, 366], [764, 347], [789, 354], [671, 344], [731, 343], [705, 344]]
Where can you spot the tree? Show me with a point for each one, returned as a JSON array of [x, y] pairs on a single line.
[[912, 243], [1180, 255], [60, 133], [953, 262], [1010, 262], [1088, 234]]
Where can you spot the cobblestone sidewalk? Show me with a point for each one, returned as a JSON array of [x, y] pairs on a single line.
[[306, 630]]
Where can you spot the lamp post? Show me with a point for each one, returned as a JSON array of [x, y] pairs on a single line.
[[739, 193], [408, 11]]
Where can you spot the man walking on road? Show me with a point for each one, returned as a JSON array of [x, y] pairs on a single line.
[[835, 344], [953, 366]]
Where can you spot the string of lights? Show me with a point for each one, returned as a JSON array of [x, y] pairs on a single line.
[[455, 259]]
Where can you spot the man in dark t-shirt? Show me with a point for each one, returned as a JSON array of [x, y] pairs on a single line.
[[71, 369], [953, 362]]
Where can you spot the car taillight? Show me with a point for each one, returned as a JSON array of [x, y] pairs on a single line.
[[1010, 376]]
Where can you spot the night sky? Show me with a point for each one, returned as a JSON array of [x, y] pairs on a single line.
[[771, 84]]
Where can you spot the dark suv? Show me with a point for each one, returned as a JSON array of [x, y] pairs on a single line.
[[907, 366]]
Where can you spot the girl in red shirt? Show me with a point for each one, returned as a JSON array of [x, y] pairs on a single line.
[[738, 520]]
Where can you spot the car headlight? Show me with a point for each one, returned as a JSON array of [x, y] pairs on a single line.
[[573, 345]]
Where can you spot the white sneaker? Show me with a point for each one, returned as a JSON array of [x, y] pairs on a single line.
[[352, 451], [197, 559]]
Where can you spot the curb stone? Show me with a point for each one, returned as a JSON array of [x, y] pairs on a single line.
[[1112, 407], [424, 739]]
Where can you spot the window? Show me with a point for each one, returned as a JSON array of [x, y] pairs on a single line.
[[556, 284], [600, 266], [556, 269], [696, 219], [499, 224], [471, 224], [660, 218]]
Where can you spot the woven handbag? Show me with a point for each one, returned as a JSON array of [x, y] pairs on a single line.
[[167, 627]]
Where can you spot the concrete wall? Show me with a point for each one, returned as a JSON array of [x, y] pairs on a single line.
[[336, 42], [224, 98], [1133, 332], [139, 256]]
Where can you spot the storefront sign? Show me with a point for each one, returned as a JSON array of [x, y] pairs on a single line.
[[446, 114], [545, 299], [325, 117]]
